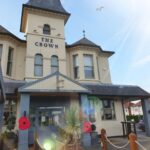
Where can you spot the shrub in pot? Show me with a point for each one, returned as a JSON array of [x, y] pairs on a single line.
[[9, 137], [72, 128]]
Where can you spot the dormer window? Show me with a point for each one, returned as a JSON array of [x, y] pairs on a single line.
[[46, 29]]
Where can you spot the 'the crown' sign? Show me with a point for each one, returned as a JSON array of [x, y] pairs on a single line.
[[47, 43]]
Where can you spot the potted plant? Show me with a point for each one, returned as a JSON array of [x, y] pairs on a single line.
[[9, 137], [72, 128]]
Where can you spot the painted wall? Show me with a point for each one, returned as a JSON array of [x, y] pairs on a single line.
[[113, 127], [18, 65], [35, 36], [104, 71]]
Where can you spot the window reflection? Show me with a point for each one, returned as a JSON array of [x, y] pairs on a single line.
[[108, 110], [88, 66]]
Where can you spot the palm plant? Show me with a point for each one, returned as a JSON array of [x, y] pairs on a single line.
[[73, 125]]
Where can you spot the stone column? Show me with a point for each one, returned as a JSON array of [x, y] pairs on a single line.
[[146, 114], [23, 134]]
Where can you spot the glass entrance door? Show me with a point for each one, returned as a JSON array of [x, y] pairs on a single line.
[[49, 116], [47, 121]]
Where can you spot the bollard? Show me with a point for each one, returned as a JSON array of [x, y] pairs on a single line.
[[132, 139], [103, 139]]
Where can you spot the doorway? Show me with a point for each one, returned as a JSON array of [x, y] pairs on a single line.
[[49, 116]]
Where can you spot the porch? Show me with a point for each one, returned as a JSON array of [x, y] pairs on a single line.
[[46, 100]]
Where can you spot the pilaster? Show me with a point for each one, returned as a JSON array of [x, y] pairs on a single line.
[[146, 114], [23, 134]]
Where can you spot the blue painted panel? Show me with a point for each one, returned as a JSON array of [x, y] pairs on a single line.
[[23, 135], [146, 112]]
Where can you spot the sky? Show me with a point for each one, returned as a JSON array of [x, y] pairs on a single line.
[[122, 26]]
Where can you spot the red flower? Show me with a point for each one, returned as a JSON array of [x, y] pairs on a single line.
[[24, 123]]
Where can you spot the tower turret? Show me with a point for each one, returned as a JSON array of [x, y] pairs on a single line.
[[46, 6]]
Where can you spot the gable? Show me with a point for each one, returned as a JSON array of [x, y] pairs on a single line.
[[54, 83]]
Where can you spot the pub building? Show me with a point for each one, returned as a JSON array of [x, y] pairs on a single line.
[[43, 76]]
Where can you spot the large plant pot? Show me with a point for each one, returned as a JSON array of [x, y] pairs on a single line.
[[32, 148], [9, 141], [70, 147], [86, 139], [73, 147], [94, 138], [9, 144]]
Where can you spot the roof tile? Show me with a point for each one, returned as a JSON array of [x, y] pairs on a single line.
[[117, 90], [52, 5]]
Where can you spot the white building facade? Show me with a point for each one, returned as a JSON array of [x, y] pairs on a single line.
[[44, 76]]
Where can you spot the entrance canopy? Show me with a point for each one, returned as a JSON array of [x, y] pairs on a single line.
[[59, 83], [56, 82], [124, 91]]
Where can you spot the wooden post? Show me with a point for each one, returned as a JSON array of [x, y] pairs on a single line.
[[103, 139], [132, 139]]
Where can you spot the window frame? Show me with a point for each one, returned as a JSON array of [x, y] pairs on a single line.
[[39, 65], [1, 50], [89, 66], [76, 66], [53, 65], [110, 107], [46, 29], [10, 61]]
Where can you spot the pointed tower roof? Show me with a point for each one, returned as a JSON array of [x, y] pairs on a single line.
[[51, 5], [86, 42]]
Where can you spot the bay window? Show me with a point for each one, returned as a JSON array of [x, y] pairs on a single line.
[[76, 66], [88, 66]]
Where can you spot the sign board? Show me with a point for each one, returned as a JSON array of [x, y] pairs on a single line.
[[47, 43]]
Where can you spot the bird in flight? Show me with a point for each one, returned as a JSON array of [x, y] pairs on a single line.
[[100, 8]]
